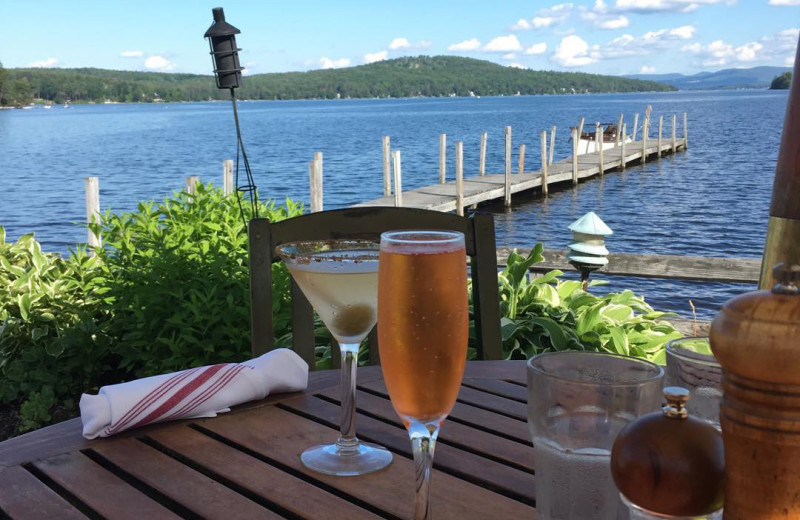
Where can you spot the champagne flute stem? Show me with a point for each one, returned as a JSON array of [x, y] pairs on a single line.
[[347, 439], [423, 441]]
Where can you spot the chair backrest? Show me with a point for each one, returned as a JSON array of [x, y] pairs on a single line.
[[368, 223]]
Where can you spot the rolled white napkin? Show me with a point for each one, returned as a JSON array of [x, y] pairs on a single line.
[[197, 392]]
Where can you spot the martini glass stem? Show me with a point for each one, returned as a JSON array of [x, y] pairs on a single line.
[[347, 442], [423, 441]]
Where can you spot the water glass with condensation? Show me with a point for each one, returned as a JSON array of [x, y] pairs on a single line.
[[691, 365], [577, 404]]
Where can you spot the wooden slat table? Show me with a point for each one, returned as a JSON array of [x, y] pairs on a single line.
[[245, 464]]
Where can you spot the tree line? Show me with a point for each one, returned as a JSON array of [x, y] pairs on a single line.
[[782, 82], [437, 76]]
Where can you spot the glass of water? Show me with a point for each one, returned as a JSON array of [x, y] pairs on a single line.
[[577, 404], [691, 365]]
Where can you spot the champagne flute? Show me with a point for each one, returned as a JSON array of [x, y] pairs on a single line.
[[339, 278], [422, 330]]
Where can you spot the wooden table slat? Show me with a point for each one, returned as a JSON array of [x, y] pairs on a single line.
[[291, 493], [100, 489], [391, 490], [501, 388], [25, 497], [518, 481], [475, 440], [197, 492]]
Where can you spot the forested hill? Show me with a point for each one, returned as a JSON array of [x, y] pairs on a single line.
[[402, 77]]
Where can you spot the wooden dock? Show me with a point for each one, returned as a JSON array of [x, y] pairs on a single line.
[[492, 187]]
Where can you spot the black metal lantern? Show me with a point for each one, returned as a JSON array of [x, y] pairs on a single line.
[[225, 55], [228, 74]]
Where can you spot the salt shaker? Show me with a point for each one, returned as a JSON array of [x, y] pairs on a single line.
[[669, 464]]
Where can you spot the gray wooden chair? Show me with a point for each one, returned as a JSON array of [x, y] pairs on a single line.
[[367, 223]]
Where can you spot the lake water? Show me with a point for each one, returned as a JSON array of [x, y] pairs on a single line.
[[712, 200]]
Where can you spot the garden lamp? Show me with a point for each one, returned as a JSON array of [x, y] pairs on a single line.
[[228, 74], [588, 252]]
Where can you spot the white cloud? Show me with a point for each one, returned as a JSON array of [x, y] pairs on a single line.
[[573, 51], [375, 56], [789, 62], [132, 54], [49, 62], [692, 47], [424, 44], [684, 32], [509, 57], [545, 18], [522, 25], [327, 63], [158, 63], [467, 45], [503, 44], [784, 2], [748, 51], [647, 70], [399, 43], [613, 23], [517, 66], [653, 6], [536, 48]]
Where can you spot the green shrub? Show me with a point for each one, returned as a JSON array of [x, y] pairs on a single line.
[[52, 339], [547, 314], [178, 282]]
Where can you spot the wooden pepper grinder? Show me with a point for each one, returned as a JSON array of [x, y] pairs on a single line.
[[756, 339]]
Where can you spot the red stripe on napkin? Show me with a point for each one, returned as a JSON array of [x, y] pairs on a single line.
[[209, 392], [150, 398], [182, 393]]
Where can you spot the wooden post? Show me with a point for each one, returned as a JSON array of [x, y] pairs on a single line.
[[191, 184], [442, 158], [544, 160], [645, 130], [315, 182], [635, 125], [552, 142], [507, 195], [674, 133], [580, 129], [521, 168], [660, 127], [482, 163], [619, 129], [575, 135], [92, 187], [398, 179], [387, 169], [459, 178], [685, 131], [598, 138], [622, 159], [227, 176]]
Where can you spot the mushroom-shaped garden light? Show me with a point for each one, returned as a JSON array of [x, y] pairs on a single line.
[[588, 252]]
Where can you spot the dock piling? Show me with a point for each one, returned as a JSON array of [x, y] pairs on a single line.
[[575, 135], [191, 184], [459, 178], [92, 187], [544, 160], [552, 142], [387, 177], [622, 158], [315, 182], [660, 127], [482, 160], [685, 131], [580, 128], [521, 167], [507, 190], [227, 176], [598, 137], [635, 126], [442, 158], [398, 179], [674, 133], [619, 128]]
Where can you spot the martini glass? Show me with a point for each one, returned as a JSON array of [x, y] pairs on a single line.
[[340, 280]]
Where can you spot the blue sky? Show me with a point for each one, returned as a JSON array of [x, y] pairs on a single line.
[[607, 37]]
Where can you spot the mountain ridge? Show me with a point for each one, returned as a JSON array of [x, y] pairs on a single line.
[[752, 77]]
